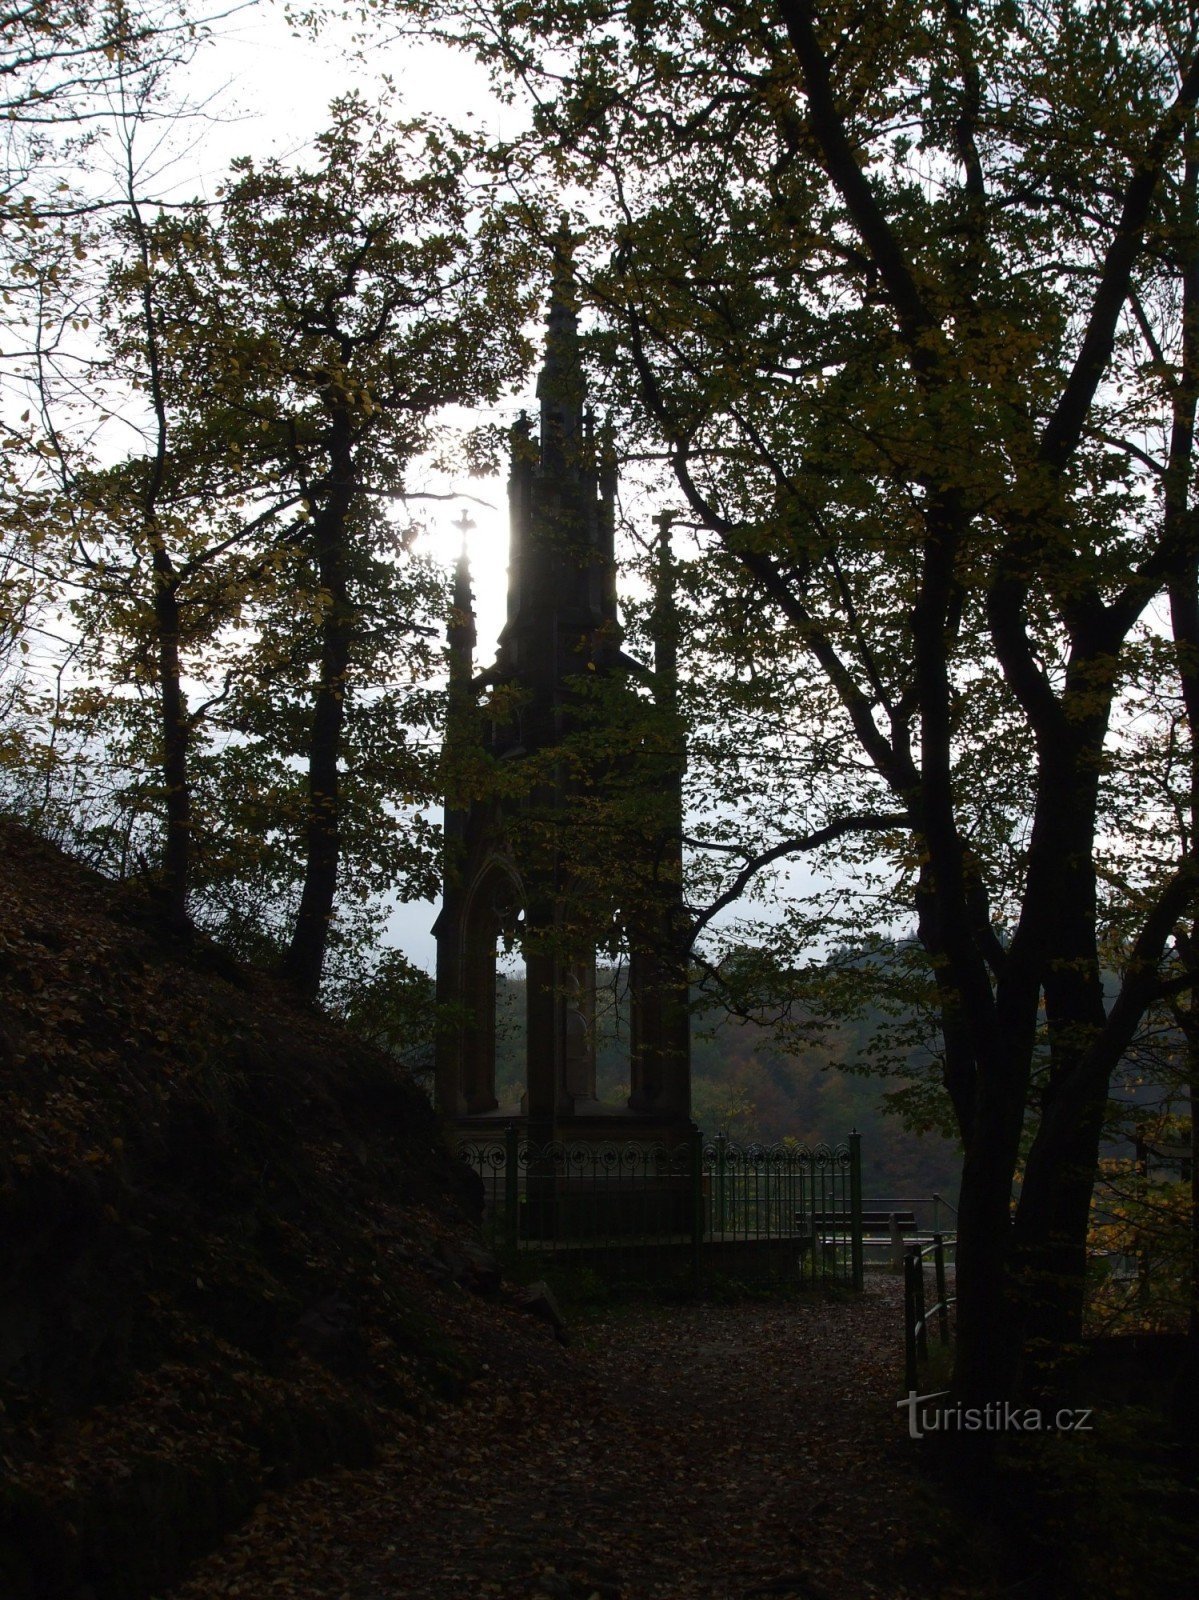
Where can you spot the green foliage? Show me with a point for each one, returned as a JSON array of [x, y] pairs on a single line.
[[1142, 1234], [247, 577], [63, 65], [394, 1007]]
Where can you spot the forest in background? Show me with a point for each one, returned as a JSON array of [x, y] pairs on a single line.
[[756, 1088]]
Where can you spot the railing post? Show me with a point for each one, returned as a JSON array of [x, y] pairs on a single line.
[[942, 1296], [722, 1140], [897, 1245], [511, 1186], [697, 1209], [911, 1268], [857, 1262], [921, 1313]]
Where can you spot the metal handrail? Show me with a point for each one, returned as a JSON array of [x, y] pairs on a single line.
[[916, 1315], [940, 1306], [945, 1239], [933, 1201], [902, 1199]]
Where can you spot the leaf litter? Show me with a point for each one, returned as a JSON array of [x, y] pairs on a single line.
[[673, 1453]]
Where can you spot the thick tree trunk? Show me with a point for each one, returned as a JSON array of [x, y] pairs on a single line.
[[987, 1352], [1060, 920], [1054, 1213], [1184, 1400], [1193, 1318], [1052, 1225]]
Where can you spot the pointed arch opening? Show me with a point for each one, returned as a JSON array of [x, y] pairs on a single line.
[[613, 1029], [491, 978]]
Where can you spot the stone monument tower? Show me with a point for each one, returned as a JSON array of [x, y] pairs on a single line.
[[570, 839]]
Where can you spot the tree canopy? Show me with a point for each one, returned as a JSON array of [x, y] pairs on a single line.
[[247, 643], [905, 298]]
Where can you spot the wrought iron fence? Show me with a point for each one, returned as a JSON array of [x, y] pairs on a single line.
[[692, 1208]]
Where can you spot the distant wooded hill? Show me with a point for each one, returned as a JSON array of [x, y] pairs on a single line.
[[746, 1085]]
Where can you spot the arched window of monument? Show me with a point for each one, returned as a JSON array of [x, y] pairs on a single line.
[[511, 1009], [613, 1033]]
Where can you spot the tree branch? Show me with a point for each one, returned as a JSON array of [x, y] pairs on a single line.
[[841, 162], [1064, 428], [869, 822]]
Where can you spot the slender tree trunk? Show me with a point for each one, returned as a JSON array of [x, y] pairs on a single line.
[[1184, 1399], [1185, 1395], [1184, 612], [175, 732], [304, 961], [174, 723]]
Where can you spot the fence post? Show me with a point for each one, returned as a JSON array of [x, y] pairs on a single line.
[[697, 1209], [511, 1189], [855, 1210], [942, 1297], [809, 1259], [722, 1140]]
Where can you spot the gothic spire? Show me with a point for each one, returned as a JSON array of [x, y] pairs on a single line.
[[561, 388], [461, 633]]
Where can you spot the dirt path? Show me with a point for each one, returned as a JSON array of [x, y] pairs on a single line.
[[695, 1453]]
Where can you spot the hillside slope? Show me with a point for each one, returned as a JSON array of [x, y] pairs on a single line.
[[223, 1227]]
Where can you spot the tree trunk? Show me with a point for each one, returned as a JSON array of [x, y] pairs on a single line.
[[989, 1308], [1184, 1401], [174, 730], [305, 957], [1193, 1317], [304, 962], [1052, 1225], [986, 1360]]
